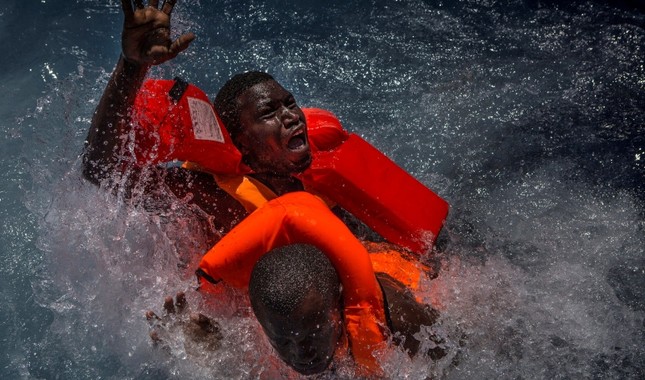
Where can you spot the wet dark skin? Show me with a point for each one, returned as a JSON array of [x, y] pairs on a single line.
[[308, 338], [407, 316], [273, 140], [306, 344], [146, 42], [203, 333]]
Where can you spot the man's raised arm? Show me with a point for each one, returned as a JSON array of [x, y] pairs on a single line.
[[145, 42]]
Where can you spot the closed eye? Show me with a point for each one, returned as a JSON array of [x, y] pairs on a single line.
[[291, 102], [267, 112]]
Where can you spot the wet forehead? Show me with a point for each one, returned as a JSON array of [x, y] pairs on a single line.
[[262, 94], [297, 325]]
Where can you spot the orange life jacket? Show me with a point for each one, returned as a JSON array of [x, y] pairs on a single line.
[[176, 121], [301, 217], [397, 263]]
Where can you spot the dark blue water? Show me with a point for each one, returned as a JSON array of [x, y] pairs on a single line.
[[528, 116]]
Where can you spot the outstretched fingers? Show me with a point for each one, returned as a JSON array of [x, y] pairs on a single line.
[[180, 301], [203, 322], [146, 37], [160, 53], [168, 5], [151, 316], [169, 305], [126, 5], [203, 333], [178, 304], [128, 10], [181, 43], [154, 336]]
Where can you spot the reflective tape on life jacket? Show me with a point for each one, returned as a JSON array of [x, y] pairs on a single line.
[[176, 122], [301, 217]]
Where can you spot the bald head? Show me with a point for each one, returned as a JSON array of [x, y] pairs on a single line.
[[284, 277], [295, 294]]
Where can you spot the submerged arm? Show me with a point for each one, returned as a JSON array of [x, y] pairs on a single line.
[[407, 317]]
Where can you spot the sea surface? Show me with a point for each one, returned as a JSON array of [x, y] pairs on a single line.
[[527, 116]]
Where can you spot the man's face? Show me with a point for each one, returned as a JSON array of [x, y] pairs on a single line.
[[307, 339], [273, 136]]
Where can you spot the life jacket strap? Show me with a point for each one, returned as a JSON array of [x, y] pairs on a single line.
[[200, 273], [178, 89]]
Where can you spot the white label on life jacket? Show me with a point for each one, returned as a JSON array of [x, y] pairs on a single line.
[[205, 125]]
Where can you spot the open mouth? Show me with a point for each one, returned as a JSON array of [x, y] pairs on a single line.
[[298, 141]]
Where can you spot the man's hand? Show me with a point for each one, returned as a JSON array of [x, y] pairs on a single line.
[[202, 333], [146, 33]]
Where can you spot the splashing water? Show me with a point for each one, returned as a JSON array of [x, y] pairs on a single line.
[[527, 116]]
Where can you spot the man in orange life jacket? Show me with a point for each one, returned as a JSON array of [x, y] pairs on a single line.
[[297, 302], [266, 124], [295, 295], [268, 148]]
